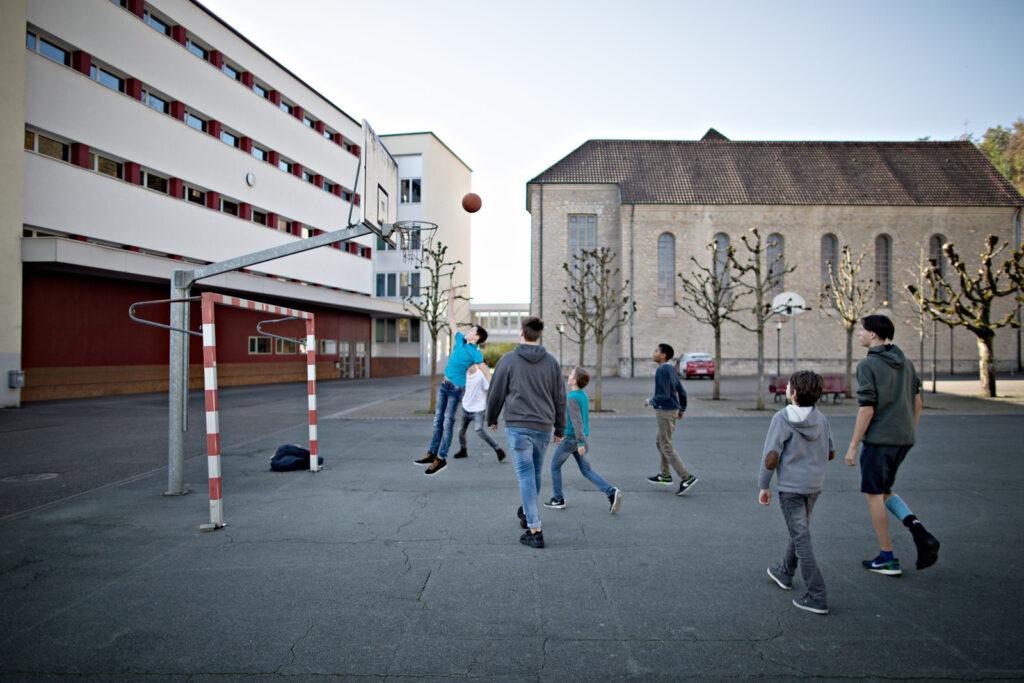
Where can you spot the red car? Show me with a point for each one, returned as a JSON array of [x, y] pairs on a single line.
[[695, 365]]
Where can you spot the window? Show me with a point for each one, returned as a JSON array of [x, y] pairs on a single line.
[[259, 153], [155, 182], [346, 195], [411, 191], [229, 207], [52, 148], [284, 166], [328, 134], [259, 89], [666, 271], [57, 54], [307, 176], [157, 103], [30, 41], [328, 186], [829, 263], [382, 246], [110, 80], [228, 138], [883, 268], [194, 121], [582, 234], [409, 284], [284, 225], [307, 121], [195, 196], [233, 73], [197, 50], [259, 345], [414, 330], [935, 243], [30, 140], [387, 284], [379, 330], [157, 24], [259, 217], [285, 107], [109, 167], [285, 347], [775, 260]]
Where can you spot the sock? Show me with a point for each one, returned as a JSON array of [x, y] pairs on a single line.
[[887, 555], [898, 508]]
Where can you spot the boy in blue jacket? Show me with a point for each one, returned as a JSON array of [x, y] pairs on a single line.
[[669, 403]]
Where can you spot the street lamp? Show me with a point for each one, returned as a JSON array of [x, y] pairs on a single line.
[[778, 348], [561, 330]]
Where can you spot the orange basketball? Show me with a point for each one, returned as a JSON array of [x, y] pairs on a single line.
[[472, 202]]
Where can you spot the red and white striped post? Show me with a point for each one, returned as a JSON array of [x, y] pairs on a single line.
[[212, 415], [314, 460]]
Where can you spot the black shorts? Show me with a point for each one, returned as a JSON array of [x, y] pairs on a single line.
[[878, 466]]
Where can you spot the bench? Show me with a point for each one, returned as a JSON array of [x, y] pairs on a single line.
[[834, 384]]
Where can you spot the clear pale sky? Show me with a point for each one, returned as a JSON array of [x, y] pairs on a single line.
[[512, 86]]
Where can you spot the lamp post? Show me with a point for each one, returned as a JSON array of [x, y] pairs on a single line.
[[561, 330], [778, 348]]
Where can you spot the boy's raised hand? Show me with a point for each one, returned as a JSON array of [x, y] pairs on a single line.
[[764, 497]]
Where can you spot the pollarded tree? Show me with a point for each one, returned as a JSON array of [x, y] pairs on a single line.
[[848, 298], [434, 301], [577, 314], [708, 298], [756, 277], [968, 301]]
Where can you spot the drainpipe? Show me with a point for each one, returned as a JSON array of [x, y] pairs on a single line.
[[632, 282], [540, 257]]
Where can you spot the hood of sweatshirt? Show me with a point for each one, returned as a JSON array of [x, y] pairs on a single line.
[[533, 353], [811, 427], [890, 354]]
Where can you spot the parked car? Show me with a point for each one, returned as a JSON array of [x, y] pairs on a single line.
[[695, 365]]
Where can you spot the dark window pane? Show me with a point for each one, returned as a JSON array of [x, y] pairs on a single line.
[[380, 289], [52, 148], [155, 182], [229, 207], [110, 80], [30, 140], [157, 103], [196, 122], [195, 196], [157, 24], [109, 167], [57, 54], [259, 217]]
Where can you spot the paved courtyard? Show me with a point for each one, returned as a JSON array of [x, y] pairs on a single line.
[[369, 570]]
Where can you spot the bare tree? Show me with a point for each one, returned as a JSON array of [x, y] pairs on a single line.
[[756, 277], [846, 299], [603, 305], [708, 298], [431, 303], [578, 288], [968, 301]]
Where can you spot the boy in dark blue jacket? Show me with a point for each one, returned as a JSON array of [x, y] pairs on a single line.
[[669, 403]]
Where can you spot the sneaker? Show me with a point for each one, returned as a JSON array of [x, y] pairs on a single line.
[[658, 479], [500, 453], [806, 603], [557, 503], [927, 549], [533, 540], [777, 577], [880, 566], [427, 459], [436, 466], [614, 501], [461, 454], [522, 518], [685, 486]]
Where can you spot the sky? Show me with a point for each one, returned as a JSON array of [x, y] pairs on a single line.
[[513, 86]]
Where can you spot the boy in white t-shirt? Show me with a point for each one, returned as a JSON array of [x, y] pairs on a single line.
[[474, 406]]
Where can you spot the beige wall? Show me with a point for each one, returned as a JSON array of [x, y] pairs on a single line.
[[821, 342], [12, 137]]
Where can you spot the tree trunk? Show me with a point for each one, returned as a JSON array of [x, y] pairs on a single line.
[[760, 366], [600, 375], [849, 362], [986, 367], [433, 373], [582, 350], [715, 395]]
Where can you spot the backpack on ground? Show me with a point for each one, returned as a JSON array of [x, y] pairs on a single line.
[[291, 457]]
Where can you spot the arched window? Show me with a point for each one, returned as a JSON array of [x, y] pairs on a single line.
[[883, 268], [722, 258], [935, 252], [666, 270], [775, 254], [829, 263]]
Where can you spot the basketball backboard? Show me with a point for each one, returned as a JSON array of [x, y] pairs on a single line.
[[378, 184]]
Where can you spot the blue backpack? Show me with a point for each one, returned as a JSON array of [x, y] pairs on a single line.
[[291, 457]]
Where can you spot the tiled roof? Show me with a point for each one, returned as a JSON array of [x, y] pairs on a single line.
[[718, 171]]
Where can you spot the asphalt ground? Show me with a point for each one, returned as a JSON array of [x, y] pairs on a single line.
[[368, 569]]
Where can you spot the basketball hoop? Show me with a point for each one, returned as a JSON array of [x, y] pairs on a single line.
[[412, 237]]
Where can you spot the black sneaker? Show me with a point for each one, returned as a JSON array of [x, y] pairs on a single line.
[[522, 518], [533, 540], [780, 578], [461, 454], [500, 453], [436, 466], [686, 485], [427, 459], [557, 503], [614, 501], [805, 603], [927, 549], [658, 479]]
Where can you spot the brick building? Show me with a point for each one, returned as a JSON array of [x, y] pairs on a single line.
[[657, 203]]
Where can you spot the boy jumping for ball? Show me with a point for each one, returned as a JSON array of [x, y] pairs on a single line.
[[797, 448]]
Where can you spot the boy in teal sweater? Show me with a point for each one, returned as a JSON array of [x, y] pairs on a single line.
[[577, 429]]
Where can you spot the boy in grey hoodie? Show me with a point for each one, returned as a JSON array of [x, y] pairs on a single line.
[[797, 448]]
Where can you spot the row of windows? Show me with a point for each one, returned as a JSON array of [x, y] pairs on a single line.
[[259, 346], [180, 35], [398, 285], [81, 155], [164, 104], [394, 331], [499, 320], [406, 241]]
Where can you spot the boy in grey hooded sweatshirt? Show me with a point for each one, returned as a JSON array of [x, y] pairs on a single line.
[[798, 447]]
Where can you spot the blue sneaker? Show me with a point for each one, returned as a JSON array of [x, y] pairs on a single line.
[[880, 566]]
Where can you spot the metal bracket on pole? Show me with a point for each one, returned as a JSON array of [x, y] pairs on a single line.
[[131, 314], [260, 330]]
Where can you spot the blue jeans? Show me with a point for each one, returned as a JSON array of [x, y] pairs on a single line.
[[449, 397], [527, 447], [562, 453]]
